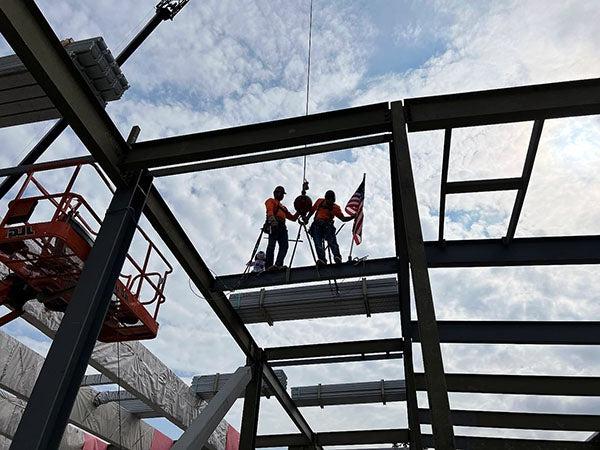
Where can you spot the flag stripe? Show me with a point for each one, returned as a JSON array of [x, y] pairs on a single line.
[[355, 207]]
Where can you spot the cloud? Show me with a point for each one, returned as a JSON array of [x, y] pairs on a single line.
[[226, 63]]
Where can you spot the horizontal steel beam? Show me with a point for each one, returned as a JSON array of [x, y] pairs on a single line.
[[272, 156], [333, 349], [519, 420], [489, 443], [394, 436], [518, 384], [329, 126], [499, 184], [517, 104], [50, 165], [467, 253], [516, 332], [336, 359]]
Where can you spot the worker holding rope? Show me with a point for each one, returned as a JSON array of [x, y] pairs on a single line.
[[322, 229], [276, 229]]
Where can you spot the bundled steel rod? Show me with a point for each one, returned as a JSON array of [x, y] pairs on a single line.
[[350, 393], [309, 302], [207, 386]]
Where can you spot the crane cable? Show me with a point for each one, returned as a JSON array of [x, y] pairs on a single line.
[[310, 21]]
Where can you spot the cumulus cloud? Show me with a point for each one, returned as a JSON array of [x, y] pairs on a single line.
[[226, 63]]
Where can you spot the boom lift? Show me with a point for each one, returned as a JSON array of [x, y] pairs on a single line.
[[45, 238]]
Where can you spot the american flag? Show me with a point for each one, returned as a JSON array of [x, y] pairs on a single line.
[[355, 207]]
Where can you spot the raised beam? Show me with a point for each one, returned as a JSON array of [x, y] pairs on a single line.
[[334, 349], [564, 250], [19, 370], [397, 436], [490, 185], [519, 384], [272, 156], [350, 393], [469, 109], [32, 38], [517, 332], [329, 126], [196, 436], [519, 420]]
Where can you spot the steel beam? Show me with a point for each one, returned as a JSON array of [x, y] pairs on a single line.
[[333, 349], [350, 393], [403, 275], [489, 443], [48, 409], [406, 199], [272, 156], [563, 250], [196, 436], [490, 185], [534, 142], [394, 436], [519, 384], [335, 125], [337, 359], [444, 180], [251, 408], [517, 104], [517, 332], [519, 420]]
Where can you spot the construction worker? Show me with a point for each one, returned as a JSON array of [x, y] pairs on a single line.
[[276, 228], [322, 228]]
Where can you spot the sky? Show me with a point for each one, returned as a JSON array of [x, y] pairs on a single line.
[[234, 62]]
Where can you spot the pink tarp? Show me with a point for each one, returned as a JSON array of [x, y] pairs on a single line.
[[93, 443], [233, 439], [160, 441]]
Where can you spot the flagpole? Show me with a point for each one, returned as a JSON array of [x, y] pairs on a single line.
[[354, 226]]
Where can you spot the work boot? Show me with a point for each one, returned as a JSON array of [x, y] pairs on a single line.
[[321, 262], [273, 268], [337, 259]]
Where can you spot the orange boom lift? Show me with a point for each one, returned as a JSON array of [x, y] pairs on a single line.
[[45, 239]]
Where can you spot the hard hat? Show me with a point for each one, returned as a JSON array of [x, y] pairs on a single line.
[[260, 255], [280, 189], [330, 195]]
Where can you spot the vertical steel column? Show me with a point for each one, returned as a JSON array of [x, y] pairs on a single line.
[[444, 181], [406, 199], [534, 141], [251, 408], [45, 418], [405, 313]]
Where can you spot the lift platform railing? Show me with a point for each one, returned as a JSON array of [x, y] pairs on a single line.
[[46, 237]]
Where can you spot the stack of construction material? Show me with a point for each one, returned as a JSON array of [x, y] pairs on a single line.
[[207, 386], [350, 393], [323, 300], [22, 100]]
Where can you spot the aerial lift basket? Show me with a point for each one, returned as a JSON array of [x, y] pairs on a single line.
[[45, 239]]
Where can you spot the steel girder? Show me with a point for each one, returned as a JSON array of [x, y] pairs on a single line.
[[516, 104], [329, 126], [563, 250], [517, 332]]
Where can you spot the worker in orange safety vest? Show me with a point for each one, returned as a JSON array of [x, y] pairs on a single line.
[[322, 228], [276, 228]]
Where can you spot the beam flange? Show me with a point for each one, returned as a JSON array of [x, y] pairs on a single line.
[[517, 104], [333, 349]]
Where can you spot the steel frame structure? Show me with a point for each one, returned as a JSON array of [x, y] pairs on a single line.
[[127, 164]]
